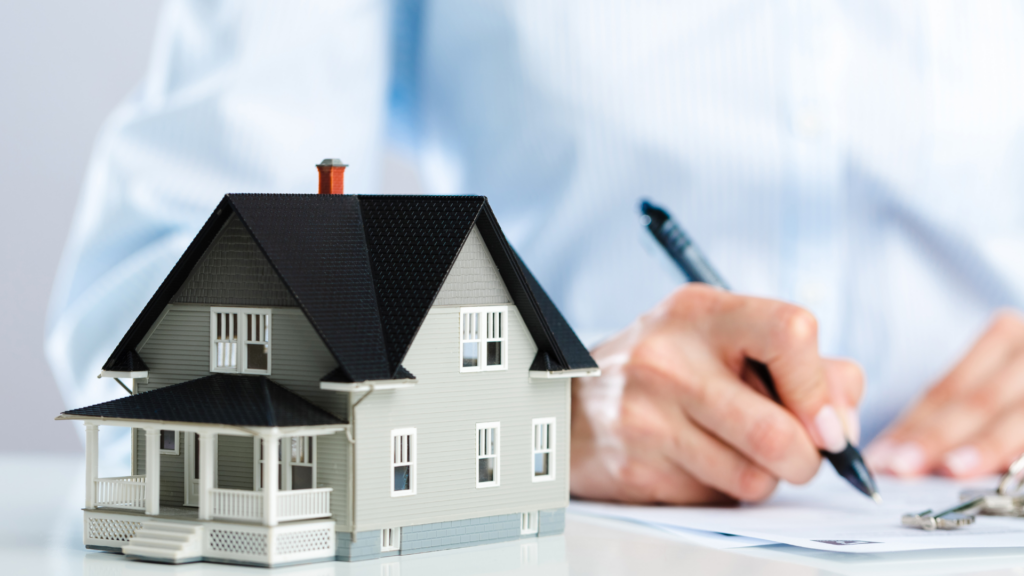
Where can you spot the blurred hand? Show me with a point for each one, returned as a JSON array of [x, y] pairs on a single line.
[[676, 418], [972, 421]]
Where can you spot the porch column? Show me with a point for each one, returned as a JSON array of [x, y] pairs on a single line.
[[152, 471], [207, 470], [92, 446], [270, 478]]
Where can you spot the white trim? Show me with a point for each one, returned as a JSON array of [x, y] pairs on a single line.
[[221, 429], [582, 373], [484, 451], [177, 441], [257, 460], [153, 438], [208, 469], [92, 450], [270, 473], [120, 374], [552, 451], [403, 454], [190, 460], [480, 332], [390, 539], [240, 339], [285, 452], [367, 384], [529, 522]]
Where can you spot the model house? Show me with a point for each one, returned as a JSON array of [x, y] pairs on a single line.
[[327, 376]]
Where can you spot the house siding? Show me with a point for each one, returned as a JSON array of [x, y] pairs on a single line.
[[474, 279], [444, 407], [172, 470], [178, 350], [235, 462], [234, 272], [333, 470]]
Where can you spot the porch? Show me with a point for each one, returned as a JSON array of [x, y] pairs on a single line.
[[178, 537]]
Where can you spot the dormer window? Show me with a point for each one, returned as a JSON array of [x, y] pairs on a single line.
[[484, 339], [240, 340]]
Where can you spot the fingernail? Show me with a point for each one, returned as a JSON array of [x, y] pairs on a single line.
[[830, 429], [962, 461], [878, 454], [853, 426], [907, 459]]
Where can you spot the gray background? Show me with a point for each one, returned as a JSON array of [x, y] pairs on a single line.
[[64, 65]]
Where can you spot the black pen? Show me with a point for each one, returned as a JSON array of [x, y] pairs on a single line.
[[848, 463]]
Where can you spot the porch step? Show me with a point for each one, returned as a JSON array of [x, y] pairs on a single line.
[[167, 542]]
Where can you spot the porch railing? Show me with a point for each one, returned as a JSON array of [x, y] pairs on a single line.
[[303, 504], [122, 492], [247, 505], [244, 505]]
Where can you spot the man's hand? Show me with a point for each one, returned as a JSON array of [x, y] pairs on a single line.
[[972, 421], [676, 418]]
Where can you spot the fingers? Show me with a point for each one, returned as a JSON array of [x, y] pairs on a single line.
[[988, 381], [846, 381], [990, 451], [652, 419], [782, 336], [716, 464], [752, 424]]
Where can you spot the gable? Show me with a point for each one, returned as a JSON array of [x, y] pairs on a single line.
[[474, 279], [234, 272], [365, 271]]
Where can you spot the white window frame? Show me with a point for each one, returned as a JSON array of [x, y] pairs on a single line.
[[482, 335], [177, 442], [402, 456], [311, 453], [529, 522], [241, 340], [390, 539], [536, 448], [284, 453], [482, 452]]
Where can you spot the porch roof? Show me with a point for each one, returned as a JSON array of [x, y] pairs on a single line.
[[225, 399]]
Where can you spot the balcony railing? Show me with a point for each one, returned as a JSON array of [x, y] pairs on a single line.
[[122, 492], [247, 505]]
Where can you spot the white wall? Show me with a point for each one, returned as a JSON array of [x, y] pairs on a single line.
[[64, 64]]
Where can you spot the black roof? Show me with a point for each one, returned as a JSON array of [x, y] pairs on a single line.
[[218, 399], [365, 270]]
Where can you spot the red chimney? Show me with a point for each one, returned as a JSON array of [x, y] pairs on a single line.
[[332, 176]]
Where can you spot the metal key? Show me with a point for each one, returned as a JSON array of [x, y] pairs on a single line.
[[951, 519], [1006, 500]]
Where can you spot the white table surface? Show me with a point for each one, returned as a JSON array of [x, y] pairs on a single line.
[[41, 533]]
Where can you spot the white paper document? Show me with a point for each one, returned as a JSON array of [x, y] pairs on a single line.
[[828, 514]]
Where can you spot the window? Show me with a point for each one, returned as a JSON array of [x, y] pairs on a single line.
[[240, 340], [543, 449], [403, 462], [528, 523], [299, 469], [487, 448], [390, 539], [169, 442], [484, 339], [300, 458]]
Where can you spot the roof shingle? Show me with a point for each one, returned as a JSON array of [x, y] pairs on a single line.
[[228, 399]]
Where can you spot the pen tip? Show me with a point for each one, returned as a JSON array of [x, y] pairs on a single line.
[[876, 497]]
